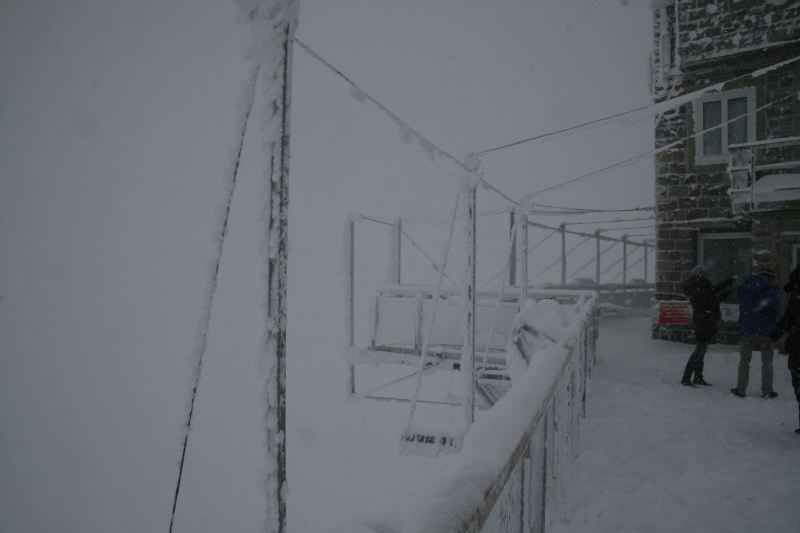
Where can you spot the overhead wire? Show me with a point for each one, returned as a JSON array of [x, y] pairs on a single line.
[[554, 263], [636, 158], [427, 145], [629, 266], [366, 95], [678, 100], [592, 260], [614, 221]]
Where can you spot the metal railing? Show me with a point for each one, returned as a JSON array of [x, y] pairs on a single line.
[[530, 490]]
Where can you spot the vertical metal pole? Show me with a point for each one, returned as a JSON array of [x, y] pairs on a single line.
[[351, 298], [753, 179], [471, 275], [398, 249], [597, 258], [563, 229], [645, 262], [523, 225], [625, 259], [512, 263], [277, 275]]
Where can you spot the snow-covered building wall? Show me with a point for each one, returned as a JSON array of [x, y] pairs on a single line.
[[708, 211]]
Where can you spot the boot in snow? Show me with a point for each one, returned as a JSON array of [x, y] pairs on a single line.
[[698, 380], [686, 380]]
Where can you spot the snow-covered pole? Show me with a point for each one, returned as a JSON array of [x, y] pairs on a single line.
[[523, 225], [597, 257], [625, 259], [563, 229], [468, 362], [350, 265], [398, 249], [512, 262], [277, 275]]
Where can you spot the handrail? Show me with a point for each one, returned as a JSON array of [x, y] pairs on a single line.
[[515, 490]]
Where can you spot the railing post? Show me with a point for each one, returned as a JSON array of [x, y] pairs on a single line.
[[753, 178], [625, 259], [512, 261], [351, 332], [396, 253], [468, 358], [597, 257], [523, 225], [563, 229]]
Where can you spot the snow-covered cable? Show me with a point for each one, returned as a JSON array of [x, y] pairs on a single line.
[[656, 151], [557, 261], [430, 147], [657, 108], [629, 266], [615, 263], [584, 211], [445, 220], [629, 227], [231, 175], [593, 259], [426, 256], [612, 221], [530, 249]]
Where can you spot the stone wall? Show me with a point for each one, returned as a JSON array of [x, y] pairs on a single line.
[[719, 40]]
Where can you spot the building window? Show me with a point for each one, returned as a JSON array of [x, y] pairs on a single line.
[[725, 255], [725, 118]]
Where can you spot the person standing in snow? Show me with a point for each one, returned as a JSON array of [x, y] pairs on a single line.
[[759, 308], [705, 300], [790, 323]]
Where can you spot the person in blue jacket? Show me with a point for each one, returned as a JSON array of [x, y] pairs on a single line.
[[759, 308], [790, 324]]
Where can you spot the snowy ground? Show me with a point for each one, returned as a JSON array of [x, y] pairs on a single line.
[[660, 457], [655, 456]]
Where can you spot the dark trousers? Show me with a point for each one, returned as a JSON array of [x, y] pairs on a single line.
[[695, 363], [794, 370]]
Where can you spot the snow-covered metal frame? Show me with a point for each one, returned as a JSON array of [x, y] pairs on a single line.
[[530, 491]]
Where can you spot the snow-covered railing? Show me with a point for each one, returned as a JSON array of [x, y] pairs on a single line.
[[513, 473], [620, 298], [757, 177]]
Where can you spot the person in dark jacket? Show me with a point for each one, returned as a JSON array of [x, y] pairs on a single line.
[[759, 308], [705, 300], [790, 324]]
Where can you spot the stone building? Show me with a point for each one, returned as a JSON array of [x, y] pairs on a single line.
[[728, 175]]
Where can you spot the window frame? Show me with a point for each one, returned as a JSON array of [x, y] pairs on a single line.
[[723, 97]]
